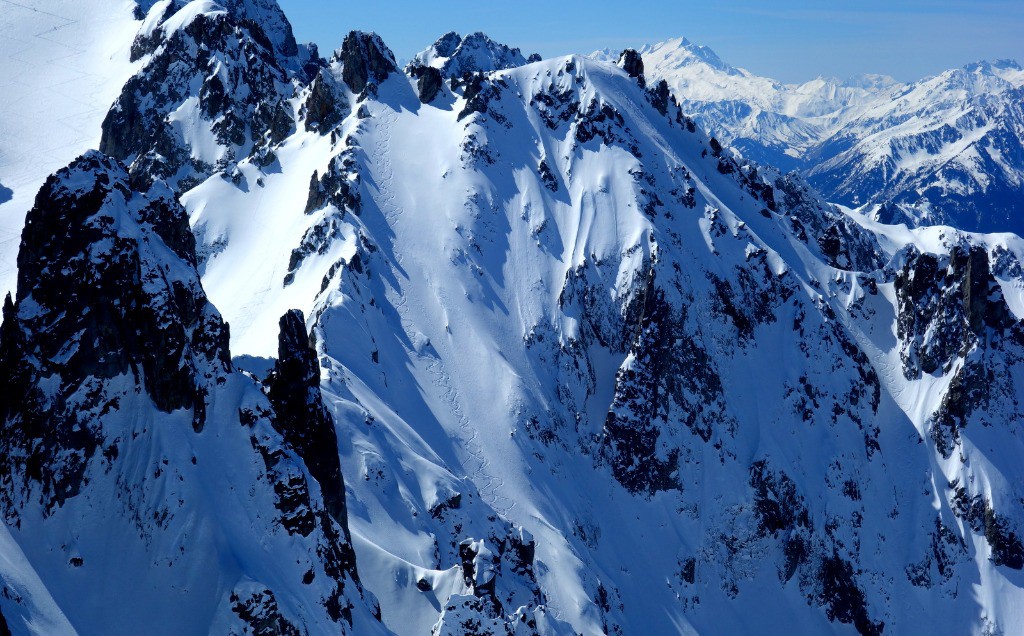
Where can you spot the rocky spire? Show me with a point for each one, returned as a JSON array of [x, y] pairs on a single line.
[[294, 391], [366, 60], [106, 287], [96, 296], [631, 62]]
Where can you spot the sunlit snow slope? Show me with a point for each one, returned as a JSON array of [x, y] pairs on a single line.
[[61, 66]]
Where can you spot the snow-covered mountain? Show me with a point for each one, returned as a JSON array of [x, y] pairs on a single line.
[[946, 149], [572, 367], [455, 55], [764, 119]]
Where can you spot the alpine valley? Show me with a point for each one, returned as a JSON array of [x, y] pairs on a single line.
[[484, 344]]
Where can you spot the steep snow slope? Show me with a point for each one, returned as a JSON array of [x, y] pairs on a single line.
[[27, 605], [61, 66], [517, 333]]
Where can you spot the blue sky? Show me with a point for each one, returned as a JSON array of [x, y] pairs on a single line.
[[790, 40]]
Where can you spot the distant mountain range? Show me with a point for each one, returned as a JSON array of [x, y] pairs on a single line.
[[947, 149]]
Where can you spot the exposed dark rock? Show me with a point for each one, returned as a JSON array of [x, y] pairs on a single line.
[[306, 425], [969, 390], [261, 615], [547, 176], [245, 109], [671, 377], [688, 571], [325, 106], [661, 97], [451, 503], [366, 60], [752, 298], [843, 243], [301, 417], [599, 121], [339, 186], [947, 551], [843, 599], [945, 306], [1006, 545], [480, 570], [777, 504], [468, 616], [96, 301], [631, 62], [428, 82], [476, 94], [300, 516]]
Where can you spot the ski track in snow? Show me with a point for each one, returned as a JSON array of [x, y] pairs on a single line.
[[485, 482]]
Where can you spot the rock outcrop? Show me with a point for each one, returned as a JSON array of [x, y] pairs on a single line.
[[294, 392], [122, 423], [366, 61]]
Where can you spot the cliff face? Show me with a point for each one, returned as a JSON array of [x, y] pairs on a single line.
[[129, 441]]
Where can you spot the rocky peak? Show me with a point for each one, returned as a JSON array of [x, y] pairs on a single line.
[[107, 287], [366, 60], [264, 17], [631, 62], [215, 69], [99, 267], [108, 352], [455, 56], [294, 392], [446, 45]]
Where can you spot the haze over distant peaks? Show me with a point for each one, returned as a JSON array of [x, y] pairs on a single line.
[[945, 149]]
